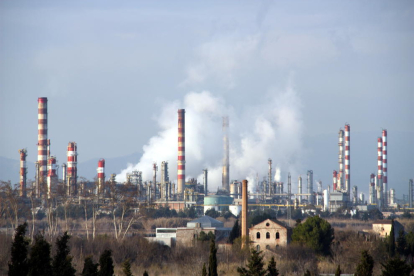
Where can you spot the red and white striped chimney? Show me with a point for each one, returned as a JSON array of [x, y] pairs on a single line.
[[347, 158], [51, 175], [101, 174], [341, 160], [72, 169], [181, 151], [384, 166], [379, 183], [335, 179], [23, 172], [42, 138]]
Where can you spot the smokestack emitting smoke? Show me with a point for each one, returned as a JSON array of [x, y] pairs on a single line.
[[181, 152], [274, 126], [42, 138], [23, 172]]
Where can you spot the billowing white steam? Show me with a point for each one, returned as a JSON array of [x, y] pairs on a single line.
[[277, 174], [271, 130]]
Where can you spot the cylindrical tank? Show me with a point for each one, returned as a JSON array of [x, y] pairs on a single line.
[[362, 198], [325, 200], [233, 189], [392, 196]]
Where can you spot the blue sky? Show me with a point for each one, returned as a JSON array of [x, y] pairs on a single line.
[[111, 71]]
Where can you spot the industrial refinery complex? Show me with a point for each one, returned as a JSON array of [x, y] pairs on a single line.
[[182, 193]]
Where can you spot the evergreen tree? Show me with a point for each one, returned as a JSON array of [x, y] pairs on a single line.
[[89, 268], [106, 265], [204, 271], [401, 243], [396, 266], [212, 261], [316, 233], [126, 268], [235, 232], [338, 271], [62, 262], [271, 268], [255, 265], [18, 265], [39, 262], [145, 273], [391, 241], [366, 265]]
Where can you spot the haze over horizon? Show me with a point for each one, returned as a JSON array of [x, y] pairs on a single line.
[[289, 75]]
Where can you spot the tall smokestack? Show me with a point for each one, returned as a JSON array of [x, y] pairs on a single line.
[[72, 169], [244, 229], [347, 159], [51, 176], [205, 173], [379, 183], [226, 163], [300, 189], [340, 185], [23, 172], [384, 167], [181, 151], [269, 177], [101, 175], [42, 138], [335, 179]]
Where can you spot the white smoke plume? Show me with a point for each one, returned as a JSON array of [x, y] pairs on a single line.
[[277, 175], [269, 130]]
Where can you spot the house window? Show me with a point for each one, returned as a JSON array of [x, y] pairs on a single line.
[[277, 235], [267, 247], [267, 224], [277, 247], [267, 235], [258, 248], [258, 235]]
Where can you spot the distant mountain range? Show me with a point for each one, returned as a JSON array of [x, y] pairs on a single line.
[[9, 168]]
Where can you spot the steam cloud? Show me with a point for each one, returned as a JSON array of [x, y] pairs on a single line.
[[272, 129]]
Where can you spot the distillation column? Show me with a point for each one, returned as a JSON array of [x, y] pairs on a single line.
[[226, 162], [269, 177], [205, 173], [310, 186], [300, 189]]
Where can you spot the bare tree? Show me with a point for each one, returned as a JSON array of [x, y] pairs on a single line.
[[123, 199], [12, 202]]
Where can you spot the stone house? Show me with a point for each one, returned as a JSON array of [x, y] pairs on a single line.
[[188, 235], [383, 228], [269, 234]]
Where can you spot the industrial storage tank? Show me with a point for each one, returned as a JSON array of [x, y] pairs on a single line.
[[234, 190], [218, 202]]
